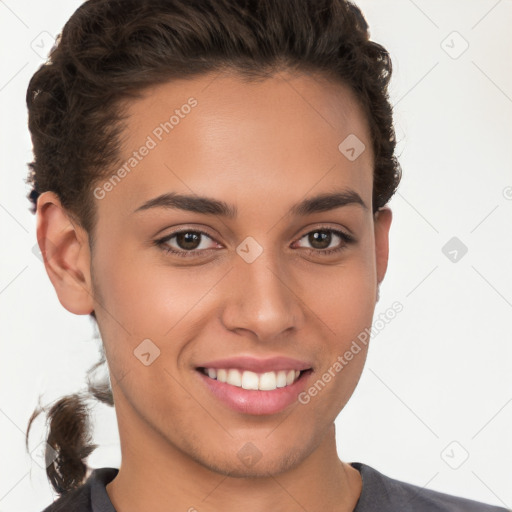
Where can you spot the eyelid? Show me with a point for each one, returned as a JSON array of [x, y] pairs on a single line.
[[346, 239], [325, 227], [316, 227], [345, 234], [171, 235]]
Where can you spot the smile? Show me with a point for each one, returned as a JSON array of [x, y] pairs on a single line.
[[254, 393], [246, 379]]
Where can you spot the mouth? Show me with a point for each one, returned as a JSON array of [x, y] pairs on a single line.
[[246, 379], [249, 392]]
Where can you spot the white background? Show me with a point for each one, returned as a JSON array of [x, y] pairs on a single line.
[[440, 372]]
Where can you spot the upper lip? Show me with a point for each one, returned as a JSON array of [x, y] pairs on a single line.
[[258, 365]]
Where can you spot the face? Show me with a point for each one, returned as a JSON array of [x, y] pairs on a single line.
[[269, 280]]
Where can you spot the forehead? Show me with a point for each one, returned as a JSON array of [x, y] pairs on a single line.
[[218, 134]]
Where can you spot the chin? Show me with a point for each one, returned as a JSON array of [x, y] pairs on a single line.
[[259, 470], [259, 467]]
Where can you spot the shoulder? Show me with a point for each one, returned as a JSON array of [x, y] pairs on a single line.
[[382, 493], [78, 500], [91, 492]]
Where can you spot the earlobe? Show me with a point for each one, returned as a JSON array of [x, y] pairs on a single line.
[[66, 255], [382, 224]]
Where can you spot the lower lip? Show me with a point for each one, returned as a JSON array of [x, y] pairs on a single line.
[[255, 401]]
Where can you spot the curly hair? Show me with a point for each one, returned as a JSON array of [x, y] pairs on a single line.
[[112, 50]]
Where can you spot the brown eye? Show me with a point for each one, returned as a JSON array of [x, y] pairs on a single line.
[[187, 240], [187, 243], [322, 238]]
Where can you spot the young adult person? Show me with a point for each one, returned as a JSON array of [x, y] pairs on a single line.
[[210, 180]]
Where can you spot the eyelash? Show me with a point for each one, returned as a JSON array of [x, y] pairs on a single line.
[[162, 242]]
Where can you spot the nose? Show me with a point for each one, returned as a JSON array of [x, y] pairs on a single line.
[[262, 298]]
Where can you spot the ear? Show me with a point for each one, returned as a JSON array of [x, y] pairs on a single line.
[[65, 249], [382, 223]]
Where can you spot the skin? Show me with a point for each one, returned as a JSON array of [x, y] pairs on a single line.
[[261, 147]]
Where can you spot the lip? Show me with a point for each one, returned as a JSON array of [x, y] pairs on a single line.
[[252, 401], [253, 364]]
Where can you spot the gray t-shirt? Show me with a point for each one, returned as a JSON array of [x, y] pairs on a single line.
[[380, 493]]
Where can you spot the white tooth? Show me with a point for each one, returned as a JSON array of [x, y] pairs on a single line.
[[268, 381], [250, 380], [234, 377], [281, 379]]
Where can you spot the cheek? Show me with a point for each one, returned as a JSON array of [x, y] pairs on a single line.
[[344, 296], [346, 312], [143, 301], [140, 294]]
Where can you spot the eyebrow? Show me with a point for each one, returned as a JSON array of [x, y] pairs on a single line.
[[209, 206]]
